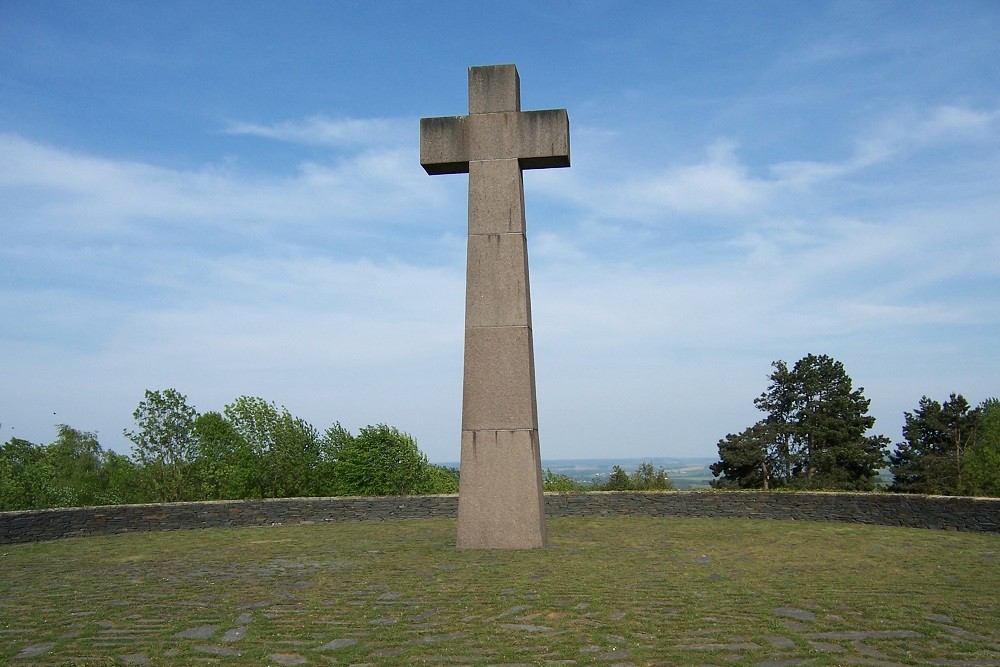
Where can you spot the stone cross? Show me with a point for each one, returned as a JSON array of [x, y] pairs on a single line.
[[500, 502]]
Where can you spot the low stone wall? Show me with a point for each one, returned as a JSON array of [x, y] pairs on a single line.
[[968, 514], [942, 512]]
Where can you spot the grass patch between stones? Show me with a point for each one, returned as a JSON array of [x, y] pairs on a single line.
[[607, 591]]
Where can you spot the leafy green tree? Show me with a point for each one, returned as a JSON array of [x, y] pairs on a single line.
[[814, 434], [284, 449], [225, 463], [121, 481], [26, 481], [618, 480], [557, 483], [326, 476], [438, 480], [76, 459], [165, 443], [647, 478], [381, 461], [937, 439], [71, 471], [983, 457]]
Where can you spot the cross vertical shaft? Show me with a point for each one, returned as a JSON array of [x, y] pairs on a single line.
[[500, 495]]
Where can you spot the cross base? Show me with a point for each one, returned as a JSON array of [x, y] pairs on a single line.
[[500, 501]]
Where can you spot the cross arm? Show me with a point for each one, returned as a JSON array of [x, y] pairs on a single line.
[[538, 139], [543, 139], [444, 145]]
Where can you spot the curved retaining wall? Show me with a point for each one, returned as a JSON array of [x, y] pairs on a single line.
[[941, 512]]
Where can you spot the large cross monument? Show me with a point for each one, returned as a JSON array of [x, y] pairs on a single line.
[[500, 502]]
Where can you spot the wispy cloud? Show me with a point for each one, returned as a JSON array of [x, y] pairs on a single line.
[[340, 132], [760, 262], [94, 193]]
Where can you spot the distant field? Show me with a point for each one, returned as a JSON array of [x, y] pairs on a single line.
[[607, 591], [685, 473]]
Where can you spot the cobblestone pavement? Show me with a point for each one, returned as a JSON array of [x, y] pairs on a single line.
[[294, 611], [438, 636]]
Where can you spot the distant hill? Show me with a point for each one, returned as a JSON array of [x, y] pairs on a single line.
[[685, 473]]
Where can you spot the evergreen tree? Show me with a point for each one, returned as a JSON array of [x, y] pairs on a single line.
[[937, 438], [982, 467], [814, 434]]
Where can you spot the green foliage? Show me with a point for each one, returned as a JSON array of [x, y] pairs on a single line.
[[747, 459], [121, 479], [380, 461], [560, 483], [645, 478], [982, 463], [949, 448], [71, 471], [326, 477], [812, 437], [617, 481], [438, 480], [225, 464], [283, 449], [252, 449], [165, 443], [26, 482]]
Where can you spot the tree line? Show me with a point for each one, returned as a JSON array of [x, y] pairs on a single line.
[[252, 449], [815, 435], [645, 478]]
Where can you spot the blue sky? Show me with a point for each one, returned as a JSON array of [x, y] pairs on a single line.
[[226, 198]]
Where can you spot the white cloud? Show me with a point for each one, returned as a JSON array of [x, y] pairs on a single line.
[[323, 131], [718, 185], [89, 193], [655, 291]]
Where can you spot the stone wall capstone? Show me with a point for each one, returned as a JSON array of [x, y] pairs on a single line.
[[939, 512]]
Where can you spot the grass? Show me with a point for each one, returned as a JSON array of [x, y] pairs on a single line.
[[623, 590]]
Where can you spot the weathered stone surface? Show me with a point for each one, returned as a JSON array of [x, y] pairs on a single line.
[[337, 644], [499, 392], [522, 627], [496, 197], [494, 89], [866, 634], [500, 497], [199, 632], [797, 614], [745, 646], [433, 639], [496, 288], [212, 649], [35, 650], [779, 642], [493, 144], [512, 611]]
